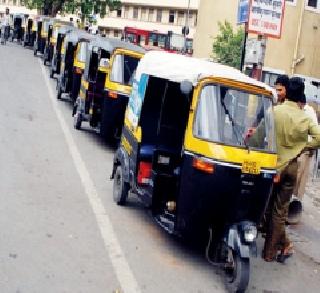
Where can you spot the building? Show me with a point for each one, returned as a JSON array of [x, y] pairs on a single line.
[[298, 50], [15, 6], [161, 16]]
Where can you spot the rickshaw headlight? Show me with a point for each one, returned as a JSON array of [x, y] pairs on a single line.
[[249, 232]]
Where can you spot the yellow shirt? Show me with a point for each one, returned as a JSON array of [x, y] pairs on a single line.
[[292, 129]]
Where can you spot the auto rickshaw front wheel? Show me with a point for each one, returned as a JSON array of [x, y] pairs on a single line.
[[237, 273], [120, 187]]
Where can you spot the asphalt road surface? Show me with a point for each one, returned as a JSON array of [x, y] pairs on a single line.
[[60, 230]]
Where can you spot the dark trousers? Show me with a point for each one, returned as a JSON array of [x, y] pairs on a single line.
[[276, 238]]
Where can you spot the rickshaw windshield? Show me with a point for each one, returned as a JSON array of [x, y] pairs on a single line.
[[235, 117], [55, 33], [123, 69], [46, 27], [82, 52]]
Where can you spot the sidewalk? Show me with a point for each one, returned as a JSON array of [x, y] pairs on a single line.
[[306, 235]]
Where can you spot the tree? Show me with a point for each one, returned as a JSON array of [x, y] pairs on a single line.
[[85, 7], [227, 45]]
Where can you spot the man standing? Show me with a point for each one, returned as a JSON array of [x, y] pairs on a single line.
[[304, 161], [292, 129], [5, 26], [281, 86]]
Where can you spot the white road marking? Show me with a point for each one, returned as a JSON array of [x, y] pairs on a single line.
[[121, 267]]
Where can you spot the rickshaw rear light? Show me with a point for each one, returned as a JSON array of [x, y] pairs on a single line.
[[276, 178], [202, 165], [113, 95], [144, 172]]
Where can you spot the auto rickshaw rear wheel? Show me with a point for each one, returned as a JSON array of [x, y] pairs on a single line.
[[77, 120], [238, 273], [59, 93], [120, 187]]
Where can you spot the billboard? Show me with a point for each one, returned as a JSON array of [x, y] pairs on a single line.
[[243, 11], [265, 17]]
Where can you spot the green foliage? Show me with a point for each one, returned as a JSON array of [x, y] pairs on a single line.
[[227, 46], [85, 7]]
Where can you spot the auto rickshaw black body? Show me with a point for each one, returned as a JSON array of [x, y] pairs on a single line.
[[54, 27], [106, 84], [18, 29], [185, 154], [73, 56], [58, 48], [30, 33], [43, 23]]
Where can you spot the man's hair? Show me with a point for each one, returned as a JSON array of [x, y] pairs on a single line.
[[283, 80], [296, 90]]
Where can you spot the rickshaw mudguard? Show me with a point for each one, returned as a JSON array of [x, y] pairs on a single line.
[[121, 158], [233, 241]]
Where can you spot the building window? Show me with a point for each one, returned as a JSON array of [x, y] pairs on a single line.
[[159, 15], [313, 3], [181, 19], [119, 12], [126, 12], [135, 12], [150, 16], [143, 14], [171, 16]]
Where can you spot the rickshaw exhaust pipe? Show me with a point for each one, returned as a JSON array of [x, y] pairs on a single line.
[[295, 211]]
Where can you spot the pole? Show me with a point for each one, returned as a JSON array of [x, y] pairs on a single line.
[[244, 44], [186, 28]]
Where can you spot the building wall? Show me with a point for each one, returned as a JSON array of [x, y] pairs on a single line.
[[143, 15], [209, 14], [15, 6], [280, 52]]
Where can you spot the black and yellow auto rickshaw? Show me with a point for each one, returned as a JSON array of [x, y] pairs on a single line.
[[18, 27], [51, 41], [44, 30], [58, 43], [106, 85], [30, 33], [73, 63], [184, 151]]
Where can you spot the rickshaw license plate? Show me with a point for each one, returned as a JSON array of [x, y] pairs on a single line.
[[250, 167]]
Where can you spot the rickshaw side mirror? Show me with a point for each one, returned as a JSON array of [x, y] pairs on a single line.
[[186, 87], [104, 62]]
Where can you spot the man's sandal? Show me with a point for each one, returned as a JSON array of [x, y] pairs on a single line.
[[285, 253]]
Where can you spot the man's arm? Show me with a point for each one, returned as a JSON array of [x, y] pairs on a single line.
[[314, 132]]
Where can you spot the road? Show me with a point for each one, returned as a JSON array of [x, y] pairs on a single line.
[[62, 232]]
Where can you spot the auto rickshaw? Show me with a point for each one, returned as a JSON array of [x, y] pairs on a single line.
[[58, 47], [51, 42], [106, 85], [44, 30], [72, 66], [18, 23], [184, 151], [30, 33]]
